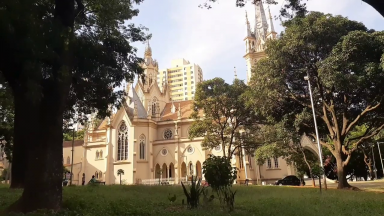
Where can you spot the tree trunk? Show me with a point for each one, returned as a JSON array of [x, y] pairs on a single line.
[[313, 181], [43, 182], [341, 175], [21, 139], [368, 162], [9, 172], [120, 179], [309, 167]]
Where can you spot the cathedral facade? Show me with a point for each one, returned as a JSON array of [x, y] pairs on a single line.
[[148, 139]]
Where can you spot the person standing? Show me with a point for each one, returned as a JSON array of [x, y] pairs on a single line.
[[83, 179]]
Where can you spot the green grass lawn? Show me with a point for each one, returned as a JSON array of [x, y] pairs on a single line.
[[251, 200]]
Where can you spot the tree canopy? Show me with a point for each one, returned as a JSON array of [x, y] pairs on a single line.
[[221, 115], [344, 63], [60, 57], [293, 8]]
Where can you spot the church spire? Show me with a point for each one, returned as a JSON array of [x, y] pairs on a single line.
[[271, 28], [249, 32], [148, 50], [261, 24]]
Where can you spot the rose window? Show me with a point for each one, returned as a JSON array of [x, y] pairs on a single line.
[[167, 134]]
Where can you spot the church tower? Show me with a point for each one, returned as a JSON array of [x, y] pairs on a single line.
[[256, 38], [150, 67]]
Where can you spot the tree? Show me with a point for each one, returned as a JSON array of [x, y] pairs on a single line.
[[119, 173], [68, 136], [298, 7], [221, 115], [60, 57], [342, 61], [282, 140]]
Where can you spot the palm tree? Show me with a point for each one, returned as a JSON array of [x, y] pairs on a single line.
[[119, 173]]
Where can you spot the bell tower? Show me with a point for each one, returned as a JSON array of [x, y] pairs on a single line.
[[150, 67], [255, 40]]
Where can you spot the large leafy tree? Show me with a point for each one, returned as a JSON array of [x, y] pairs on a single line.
[[345, 69], [59, 57], [221, 115], [293, 8], [282, 140]]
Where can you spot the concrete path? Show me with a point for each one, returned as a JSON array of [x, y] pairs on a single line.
[[376, 184]]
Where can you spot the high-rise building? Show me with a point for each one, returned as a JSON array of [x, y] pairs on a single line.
[[182, 78], [256, 38]]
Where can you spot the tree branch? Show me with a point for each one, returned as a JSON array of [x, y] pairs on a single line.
[[368, 109], [361, 140], [345, 119], [326, 120]]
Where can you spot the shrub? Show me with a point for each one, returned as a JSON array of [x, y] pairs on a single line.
[[193, 195], [219, 172], [220, 176]]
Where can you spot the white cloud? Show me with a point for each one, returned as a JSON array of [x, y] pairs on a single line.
[[214, 38]]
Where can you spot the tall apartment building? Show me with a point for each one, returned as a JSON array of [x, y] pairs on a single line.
[[182, 79]]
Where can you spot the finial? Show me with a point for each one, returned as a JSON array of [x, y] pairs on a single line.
[[246, 17], [148, 50], [235, 73]]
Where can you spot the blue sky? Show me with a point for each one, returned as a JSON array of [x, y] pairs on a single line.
[[214, 38]]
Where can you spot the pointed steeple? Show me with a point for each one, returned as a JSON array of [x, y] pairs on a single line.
[[271, 28], [249, 32], [148, 50], [261, 24]]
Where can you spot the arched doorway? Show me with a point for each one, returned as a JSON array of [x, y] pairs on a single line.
[[157, 171], [171, 171], [183, 170], [199, 173], [164, 171]]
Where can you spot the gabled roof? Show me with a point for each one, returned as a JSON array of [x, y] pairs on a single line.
[[186, 110], [130, 104]]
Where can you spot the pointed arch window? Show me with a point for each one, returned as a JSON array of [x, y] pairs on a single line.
[[276, 160], [191, 168], [100, 175], [122, 142], [68, 160], [150, 79], [96, 175], [269, 163], [97, 154], [154, 101], [142, 147], [101, 154]]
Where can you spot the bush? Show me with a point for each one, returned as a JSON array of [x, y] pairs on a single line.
[[219, 172], [220, 176]]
